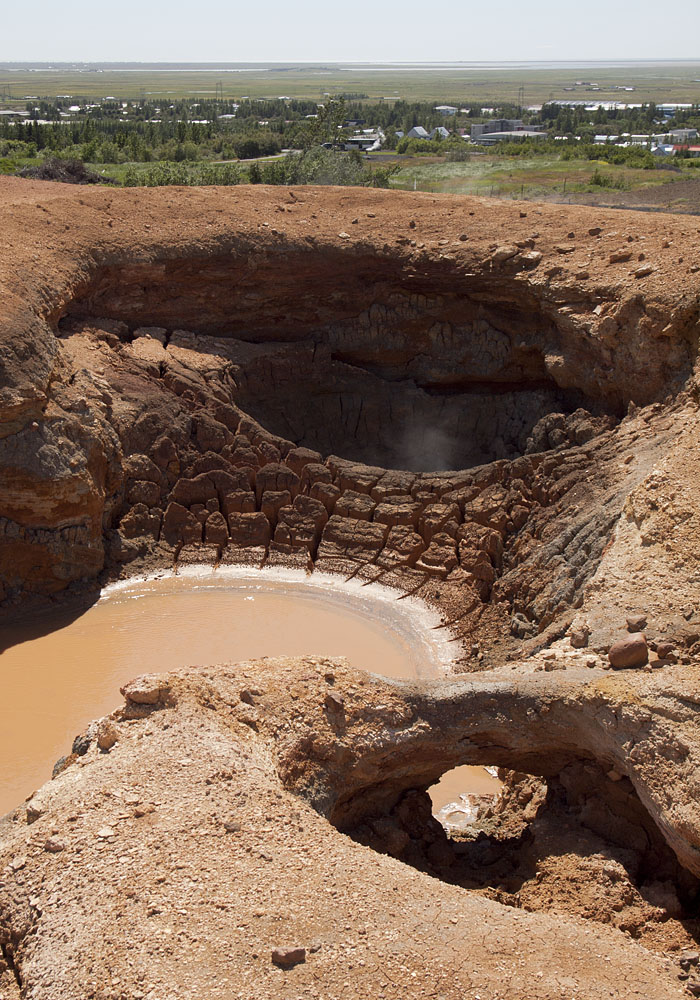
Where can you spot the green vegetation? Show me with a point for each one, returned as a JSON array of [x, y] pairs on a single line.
[[314, 166], [158, 140], [494, 175], [449, 84], [599, 179]]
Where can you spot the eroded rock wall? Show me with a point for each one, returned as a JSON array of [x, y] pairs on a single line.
[[447, 332]]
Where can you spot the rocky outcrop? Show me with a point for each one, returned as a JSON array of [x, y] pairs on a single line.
[[207, 821], [495, 409], [129, 440]]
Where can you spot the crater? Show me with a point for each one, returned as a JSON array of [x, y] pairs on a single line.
[[420, 405], [416, 366]]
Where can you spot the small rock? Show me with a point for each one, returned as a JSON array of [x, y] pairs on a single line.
[[61, 764], [636, 623], [412, 224], [578, 637], [33, 812], [105, 832], [248, 695], [531, 258], [664, 651], [146, 690], [644, 271], [54, 845], [287, 957], [145, 809], [18, 863], [334, 700], [614, 775], [344, 236], [232, 826], [620, 256], [502, 254], [688, 958], [632, 651], [81, 744], [107, 735]]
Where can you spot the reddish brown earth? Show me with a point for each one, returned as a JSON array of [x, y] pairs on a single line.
[[282, 377]]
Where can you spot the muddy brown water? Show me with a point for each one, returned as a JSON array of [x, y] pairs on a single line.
[[58, 675]]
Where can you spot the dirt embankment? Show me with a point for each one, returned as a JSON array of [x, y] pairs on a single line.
[[274, 377], [200, 838]]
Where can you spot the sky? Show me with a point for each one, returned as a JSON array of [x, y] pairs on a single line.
[[357, 31]]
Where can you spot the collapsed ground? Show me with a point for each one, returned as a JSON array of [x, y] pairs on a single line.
[[283, 378]]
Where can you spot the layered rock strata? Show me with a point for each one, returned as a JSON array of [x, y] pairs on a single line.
[[493, 407], [190, 375]]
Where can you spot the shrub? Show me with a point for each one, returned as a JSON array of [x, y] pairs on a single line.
[[599, 179], [67, 171]]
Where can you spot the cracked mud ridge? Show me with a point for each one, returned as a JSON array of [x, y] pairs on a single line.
[[492, 408]]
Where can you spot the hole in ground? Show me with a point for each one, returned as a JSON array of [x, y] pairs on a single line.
[[318, 400], [377, 360], [576, 843]]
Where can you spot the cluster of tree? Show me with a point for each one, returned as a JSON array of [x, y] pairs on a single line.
[[628, 156], [187, 141], [109, 141], [313, 166], [322, 166], [437, 146], [146, 131], [613, 121], [185, 175]]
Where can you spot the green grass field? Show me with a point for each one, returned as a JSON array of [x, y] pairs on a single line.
[[659, 82], [515, 178]]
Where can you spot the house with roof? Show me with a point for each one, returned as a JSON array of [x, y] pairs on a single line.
[[365, 141], [440, 133], [417, 132], [681, 135]]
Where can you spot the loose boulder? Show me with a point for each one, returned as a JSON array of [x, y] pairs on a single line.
[[632, 651]]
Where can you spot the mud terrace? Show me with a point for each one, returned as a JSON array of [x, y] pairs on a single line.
[[490, 406]]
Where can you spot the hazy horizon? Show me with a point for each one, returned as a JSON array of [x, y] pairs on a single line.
[[366, 32]]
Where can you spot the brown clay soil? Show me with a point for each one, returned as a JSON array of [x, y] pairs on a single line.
[[491, 406]]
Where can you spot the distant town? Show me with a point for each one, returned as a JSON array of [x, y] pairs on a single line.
[[298, 140]]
